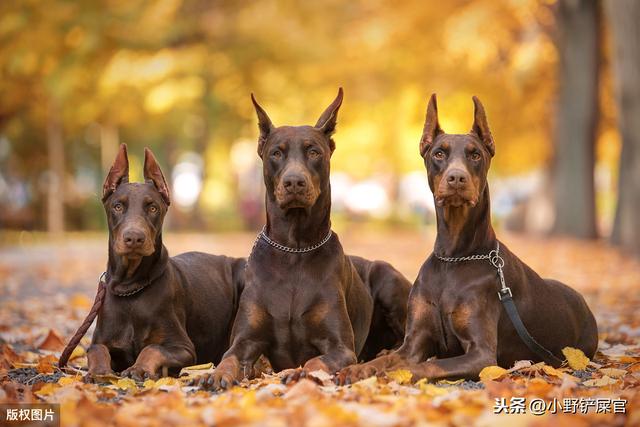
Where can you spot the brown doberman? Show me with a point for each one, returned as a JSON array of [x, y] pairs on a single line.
[[156, 313], [456, 323], [304, 303]]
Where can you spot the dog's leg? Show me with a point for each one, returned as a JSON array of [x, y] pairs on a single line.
[[250, 338], [333, 337], [153, 358], [475, 325], [419, 343], [237, 363], [99, 361]]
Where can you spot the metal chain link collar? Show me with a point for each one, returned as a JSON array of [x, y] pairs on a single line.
[[284, 248], [494, 258]]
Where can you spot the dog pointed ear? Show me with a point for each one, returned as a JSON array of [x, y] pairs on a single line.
[[118, 174], [153, 174], [264, 123], [431, 126], [481, 126], [328, 119]]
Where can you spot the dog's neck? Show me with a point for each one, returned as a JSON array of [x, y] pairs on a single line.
[[128, 273], [299, 228], [465, 230]]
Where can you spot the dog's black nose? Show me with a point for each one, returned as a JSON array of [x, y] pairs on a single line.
[[294, 183], [456, 178], [133, 238]]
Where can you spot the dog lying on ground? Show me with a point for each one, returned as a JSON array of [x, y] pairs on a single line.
[[156, 314], [456, 323], [304, 303]]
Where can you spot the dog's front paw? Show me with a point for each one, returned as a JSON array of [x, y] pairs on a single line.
[[97, 375], [355, 373], [217, 380], [140, 373]]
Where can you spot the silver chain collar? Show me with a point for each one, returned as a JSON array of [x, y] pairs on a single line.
[[262, 235], [494, 258]]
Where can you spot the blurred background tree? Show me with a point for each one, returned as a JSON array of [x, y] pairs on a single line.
[[80, 77]]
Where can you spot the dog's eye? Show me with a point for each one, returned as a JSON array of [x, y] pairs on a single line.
[[153, 209], [313, 153], [439, 155], [118, 207], [276, 154], [475, 157]]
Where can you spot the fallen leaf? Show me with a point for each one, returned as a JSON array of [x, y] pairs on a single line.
[[613, 372], [550, 370], [576, 358], [52, 342], [8, 357], [47, 389], [431, 389], [600, 382], [126, 384], [491, 373], [520, 364], [401, 376], [45, 365], [321, 375], [67, 380], [370, 382], [199, 367]]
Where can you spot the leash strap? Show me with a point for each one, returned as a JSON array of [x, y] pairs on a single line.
[[506, 298]]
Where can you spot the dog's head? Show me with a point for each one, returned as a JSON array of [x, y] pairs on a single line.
[[296, 159], [135, 211], [457, 165]]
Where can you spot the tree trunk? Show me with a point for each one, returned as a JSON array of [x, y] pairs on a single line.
[[623, 18], [55, 190], [578, 47]]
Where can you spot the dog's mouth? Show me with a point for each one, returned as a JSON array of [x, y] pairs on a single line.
[[304, 200], [456, 199], [133, 254]]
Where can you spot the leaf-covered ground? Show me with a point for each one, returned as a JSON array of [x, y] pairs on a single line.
[[46, 288]]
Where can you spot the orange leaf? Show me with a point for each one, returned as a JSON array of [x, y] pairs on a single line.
[[45, 365], [52, 342]]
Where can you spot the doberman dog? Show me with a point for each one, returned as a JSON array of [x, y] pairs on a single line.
[[455, 315], [304, 303], [156, 311]]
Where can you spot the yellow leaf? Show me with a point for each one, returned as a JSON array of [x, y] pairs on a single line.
[[77, 352], [600, 382], [550, 370], [449, 382], [67, 380], [47, 389], [492, 373], [199, 367], [576, 358], [166, 381], [613, 372], [370, 382], [401, 376], [430, 389], [148, 384], [126, 384]]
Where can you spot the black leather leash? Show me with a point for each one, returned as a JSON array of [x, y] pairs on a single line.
[[506, 298]]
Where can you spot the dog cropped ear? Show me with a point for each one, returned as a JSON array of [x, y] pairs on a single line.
[[118, 174], [431, 126], [481, 126], [328, 119], [264, 123], [153, 174]]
